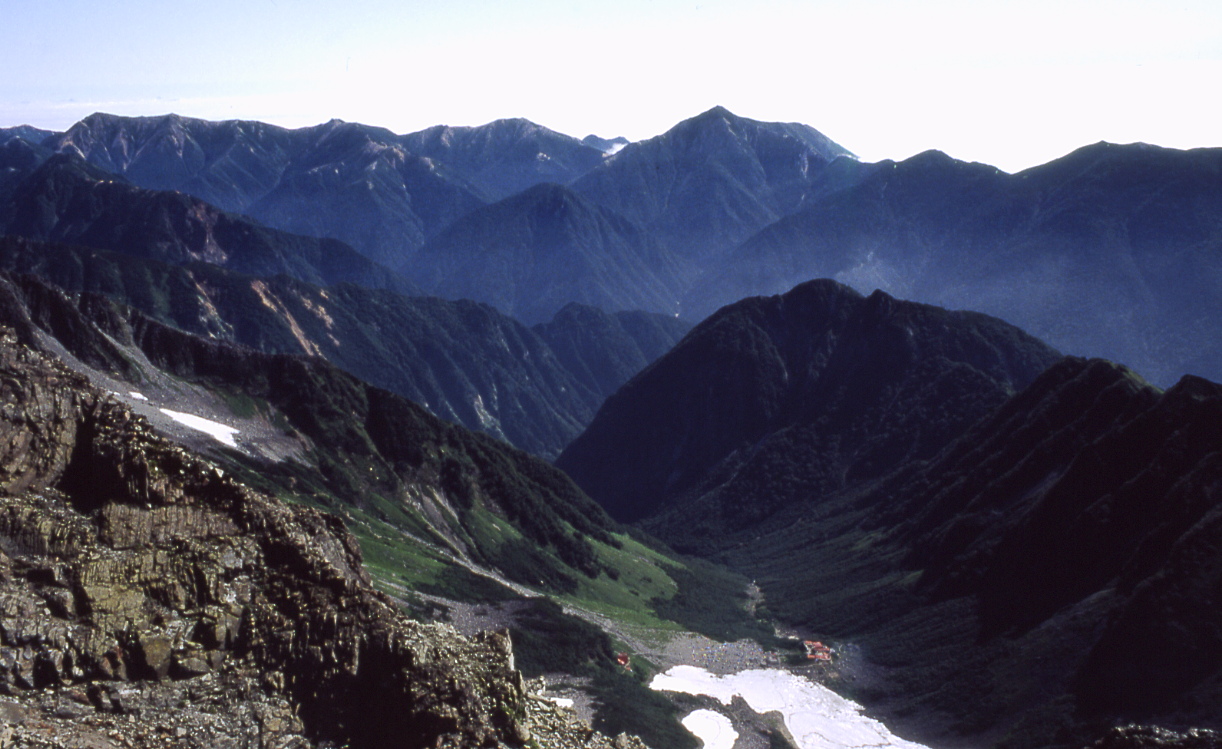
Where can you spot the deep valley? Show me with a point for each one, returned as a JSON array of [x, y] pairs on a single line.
[[494, 436]]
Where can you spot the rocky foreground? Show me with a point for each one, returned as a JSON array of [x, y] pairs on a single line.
[[146, 599]]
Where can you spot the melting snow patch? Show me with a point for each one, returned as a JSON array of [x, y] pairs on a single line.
[[713, 729], [137, 396], [817, 717], [218, 431]]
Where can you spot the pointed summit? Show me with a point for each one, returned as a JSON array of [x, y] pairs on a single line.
[[721, 117], [713, 180]]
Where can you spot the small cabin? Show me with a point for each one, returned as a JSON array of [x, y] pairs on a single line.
[[817, 651]]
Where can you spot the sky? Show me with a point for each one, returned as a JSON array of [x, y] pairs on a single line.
[[1006, 83]]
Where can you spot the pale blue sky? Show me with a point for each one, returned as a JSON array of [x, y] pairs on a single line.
[[1008, 83]]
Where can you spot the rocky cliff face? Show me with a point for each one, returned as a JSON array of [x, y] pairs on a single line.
[[147, 599]]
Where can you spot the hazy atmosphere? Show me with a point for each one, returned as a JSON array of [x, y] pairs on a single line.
[[1011, 84], [637, 375]]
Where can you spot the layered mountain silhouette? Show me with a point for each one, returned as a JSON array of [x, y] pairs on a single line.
[[531, 254], [463, 361], [65, 199], [25, 132], [773, 400], [382, 193], [698, 189], [337, 180], [607, 350], [366, 190], [1108, 251]]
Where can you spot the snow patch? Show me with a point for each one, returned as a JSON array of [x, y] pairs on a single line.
[[817, 717], [137, 396], [713, 729], [217, 430]]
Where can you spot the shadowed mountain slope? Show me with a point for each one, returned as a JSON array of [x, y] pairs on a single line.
[[369, 447], [1051, 571], [1002, 568], [776, 399], [535, 252], [66, 200], [463, 361], [606, 350]]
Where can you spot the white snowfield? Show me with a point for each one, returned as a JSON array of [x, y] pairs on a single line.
[[217, 430], [817, 717], [713, 729]]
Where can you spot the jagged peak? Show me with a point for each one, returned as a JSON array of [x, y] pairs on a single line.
[[514, 126], [717, 112], [721, 122], [1196, 388]]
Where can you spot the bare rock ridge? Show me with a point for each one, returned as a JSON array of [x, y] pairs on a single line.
[[147, 599]]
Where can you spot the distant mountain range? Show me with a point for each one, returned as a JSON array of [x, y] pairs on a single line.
[[533, 253], [1109, 251], [66, 200]]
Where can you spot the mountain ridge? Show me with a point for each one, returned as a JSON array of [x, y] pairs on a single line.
[[68, 200], [1104, 252], [545, 247], [704, 413], [462, 360]]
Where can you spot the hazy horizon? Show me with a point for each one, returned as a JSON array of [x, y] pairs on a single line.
[[1002, 83]]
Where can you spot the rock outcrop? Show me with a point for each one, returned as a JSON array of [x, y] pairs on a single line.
[[147, 599]]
